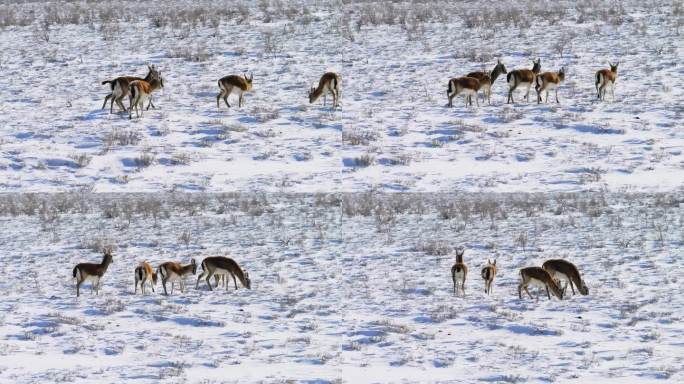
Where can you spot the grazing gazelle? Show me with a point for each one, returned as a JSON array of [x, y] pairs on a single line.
[[143, 274], [231, 83], [539, 277], [549, 81], [120, 88], [522, 77], [173, 271], [468, 86], [487, 79], [605, 78], [92, 272], [329, 83], [141, 90], [459, 271], [220, 266], [560, 269], [488, 274]]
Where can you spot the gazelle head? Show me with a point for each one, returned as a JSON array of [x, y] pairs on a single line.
[[613, 67], [311, 94], [248, 282], [500, 67], [459, 254], [489, 262], [583, 288], [561, 74], [248, 79], [536, 65]]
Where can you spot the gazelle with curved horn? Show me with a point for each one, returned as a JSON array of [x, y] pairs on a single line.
[[231, 83], [560, 269], [522, 77], [468, 86], [548, 81], [606, 78], [92, 272], [220, 266], [141, 90], [539, 277], [120, 88], [459, 271], [328, 83], [487, 79], [172, 271]]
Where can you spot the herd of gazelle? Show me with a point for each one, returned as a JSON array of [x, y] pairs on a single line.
[[474, 82], [140, 89], [169, 272], [549, 276]]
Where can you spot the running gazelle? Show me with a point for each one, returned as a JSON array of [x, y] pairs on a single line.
[[231, 83], [548, 81], [560, 270], [172, 271], [144, 274], [459, 271], [488, 275], [487, 79], [141, 90], [328, 83], [605, 78], [522, 77], [220, 266], [92, 272], [539, 277]]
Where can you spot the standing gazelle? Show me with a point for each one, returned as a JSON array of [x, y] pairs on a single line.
[[605, 78], [468, 86], [459, 271], [539, 277], [560, 269], [231, 83], [141, 90], [173, 271], [522, 77], [92, 272], [120, 88], [549, 81], [488, 274], [487, 79], [329, 83], [143, 274], [220, 266]]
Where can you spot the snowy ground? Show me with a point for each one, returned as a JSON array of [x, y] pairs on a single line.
[[353, 292], [56, 137]]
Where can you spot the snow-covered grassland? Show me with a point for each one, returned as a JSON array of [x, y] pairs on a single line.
[[393, 130], [345, 219], [345, 288]]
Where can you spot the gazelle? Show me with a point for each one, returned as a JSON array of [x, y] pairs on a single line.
[[231, 83], [560, 269], [539, 277], [92, 272], [219, 266], [143, 274], [488, 274], [329, 83], [468, 86], [487, 79], [549, 81], [141, 90], [605, 78], [120, 88], [522, 77], [459, 271], [173, 271]]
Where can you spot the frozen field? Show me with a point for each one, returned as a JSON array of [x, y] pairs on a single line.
[[393, 130], [345, 288]]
